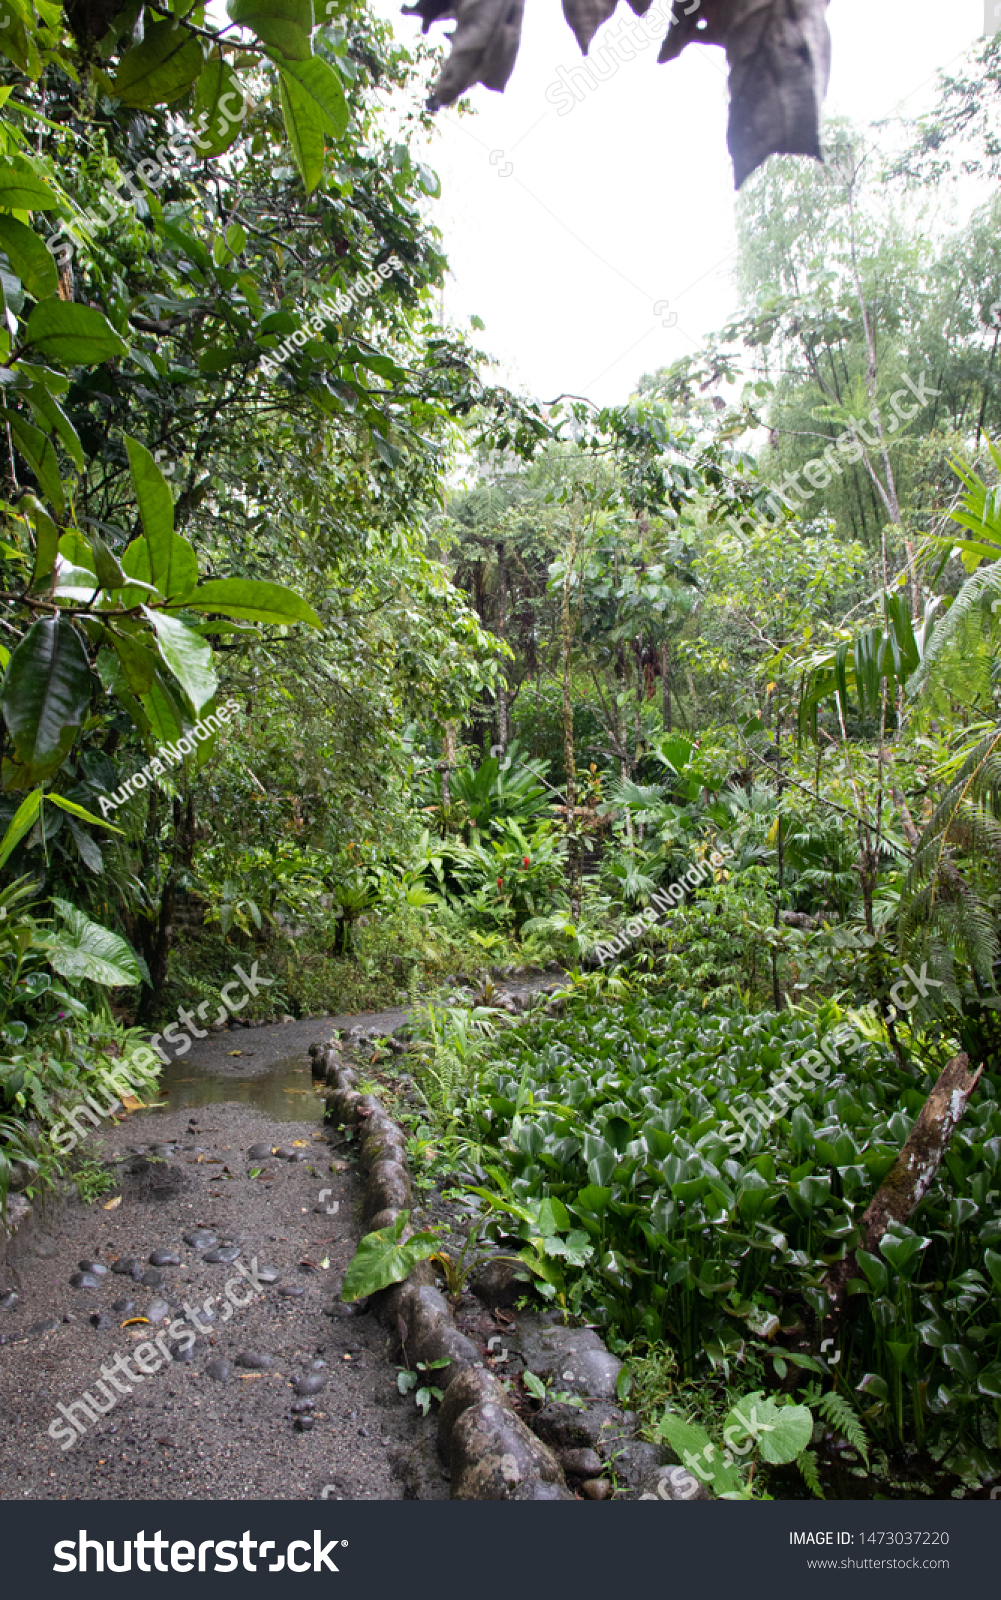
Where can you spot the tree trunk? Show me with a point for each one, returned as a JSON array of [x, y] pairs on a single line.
[[502, 706], [665, 673], [912, 1174], [573, 844]]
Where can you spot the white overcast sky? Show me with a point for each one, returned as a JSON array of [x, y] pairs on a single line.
[[626, 201]]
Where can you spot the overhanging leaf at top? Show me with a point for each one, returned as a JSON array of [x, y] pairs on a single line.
[[286, 24], [159, 69], [778, 53]]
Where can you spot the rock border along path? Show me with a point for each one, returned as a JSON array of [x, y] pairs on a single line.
[[490, 1451]]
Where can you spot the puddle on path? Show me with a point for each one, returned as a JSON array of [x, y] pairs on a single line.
[[285, 1091]]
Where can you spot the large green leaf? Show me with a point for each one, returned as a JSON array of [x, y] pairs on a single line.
[[780, 1432], [21, 189], [173, 566], [159, 69], [381, 1259], [188, 656], [75, 335], [217, 81], [320, 83], [304, 126], [46, 694], [83, 949], [51, 415], [71, 806], [20, 822], [286, 24], [38, 452], [250, 600], [29, 258]]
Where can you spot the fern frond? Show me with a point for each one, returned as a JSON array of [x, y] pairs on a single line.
[[806, 1461], [836, 1410]]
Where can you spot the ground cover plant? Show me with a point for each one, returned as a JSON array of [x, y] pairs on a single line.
[[605, 1136]]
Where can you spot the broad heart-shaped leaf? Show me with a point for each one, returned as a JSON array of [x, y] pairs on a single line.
[[38, 453], [900, 1251], [381, 1259], [992, 1261], [304, 126], [286, 24], [71, 334], [320, 83], [188, 656], [780, 1432], [251, 600], [46, 694], [83, 949], [21, 189], [29, 258], [161, 68], [216, 81]]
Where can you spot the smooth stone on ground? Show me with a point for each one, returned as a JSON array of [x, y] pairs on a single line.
[[303, 1424], [596, 1489], [255, 1360], [267, 1274], [309, 1383], [224, 1253], [260, 1152], [582, 1463], [292, 1291], [153, 1279], [128, 1267], [100, 1320], [8, 1301], [157, 1310], [124, 1308], [219, 1369], [84, 1280], [96, 1267], [48, 1325], [164, 1258], [500, 1282], [181, 1352], [495, 1457], [200, 1238]]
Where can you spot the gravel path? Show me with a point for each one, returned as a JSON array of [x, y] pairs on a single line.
[[181, 1432]]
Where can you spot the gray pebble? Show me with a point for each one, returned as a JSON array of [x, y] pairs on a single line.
[[179, 1353], [164, 1258], [255, 1360], [225, 1253], [153, 1279], [292, 1291], [8, 1301], [49, 1324], [101, 1320], [98, 1268], [219, 1369], [259, 1152], [300, 1406], [309, 1383], [124, 1308], [200, 1238], [303, 1424], [317, 1365], [128, 1267], [157, 1310], [268, 1274], [84, 1280]]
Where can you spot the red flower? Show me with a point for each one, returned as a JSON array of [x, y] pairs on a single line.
[[500, 883], [526, 861]]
